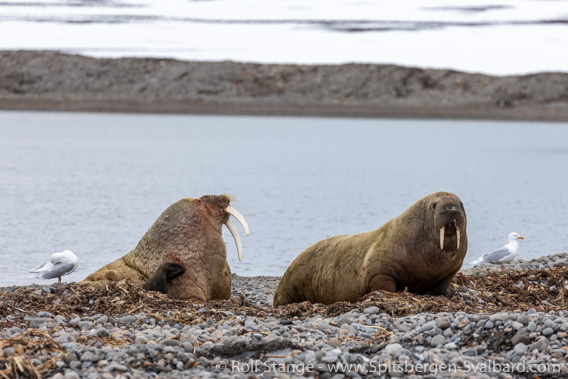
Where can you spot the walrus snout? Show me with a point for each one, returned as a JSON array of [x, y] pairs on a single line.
[[450, 222], [219, 207]]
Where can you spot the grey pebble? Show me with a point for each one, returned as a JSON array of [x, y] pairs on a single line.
[[517, 325], [170, 342], [9, 351], [427, 326], [69, 374], [35, 322], [520, 348], [539, 345], [393, 348], [329, 359], [523, 319], [127, 319], [450, 346], [437, 340], [85, 324], [520, 338], [547, 331], [116, 367], [444, 323], [371, 310], [74, 365]]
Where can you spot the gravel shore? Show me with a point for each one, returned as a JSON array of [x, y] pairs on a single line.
[[46, 80], [511, 323]]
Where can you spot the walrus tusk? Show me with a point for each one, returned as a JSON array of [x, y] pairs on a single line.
[[240, 218], [233, 229], [458, 234], [442, 231]]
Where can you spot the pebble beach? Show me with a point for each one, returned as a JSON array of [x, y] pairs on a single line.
[[518, 328]]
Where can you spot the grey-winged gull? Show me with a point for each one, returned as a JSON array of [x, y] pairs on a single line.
[[504, 254], [60, 264]]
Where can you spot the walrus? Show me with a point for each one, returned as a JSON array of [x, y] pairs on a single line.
[[187, 233], [163, 277], [420, 250]]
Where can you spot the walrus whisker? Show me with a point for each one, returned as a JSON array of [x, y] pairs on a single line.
[[233, 229], [442, 231], [240, 218]]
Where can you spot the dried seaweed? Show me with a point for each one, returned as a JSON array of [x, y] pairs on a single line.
[[481, 293], [33, 342], [505, 291]]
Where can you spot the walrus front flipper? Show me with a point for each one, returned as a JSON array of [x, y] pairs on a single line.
[[382, 283], [113, 272], [164, 275], [283, 299], [444, 287]]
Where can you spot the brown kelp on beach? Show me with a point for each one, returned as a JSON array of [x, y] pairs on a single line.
[[495, 291], [120, 327]]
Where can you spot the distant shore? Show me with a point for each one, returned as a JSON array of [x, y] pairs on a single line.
[[51, 81]]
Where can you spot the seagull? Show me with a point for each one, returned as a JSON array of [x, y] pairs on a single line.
[[60, 264], [504, 254]]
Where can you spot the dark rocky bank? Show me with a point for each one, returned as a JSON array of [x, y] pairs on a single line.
[[45, 80]]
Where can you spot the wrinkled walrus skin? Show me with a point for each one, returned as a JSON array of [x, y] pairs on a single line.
[[188, 233], [405, 253]]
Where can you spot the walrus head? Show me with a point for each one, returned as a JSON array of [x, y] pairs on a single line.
[[220, 209], [449, 221]]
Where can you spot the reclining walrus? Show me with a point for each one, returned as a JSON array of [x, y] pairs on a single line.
[[421, 250], [187, 233]]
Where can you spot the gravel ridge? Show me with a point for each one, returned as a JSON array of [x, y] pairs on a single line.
[[48, 80]]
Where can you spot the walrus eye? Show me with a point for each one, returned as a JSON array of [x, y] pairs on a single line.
[[434, 205]]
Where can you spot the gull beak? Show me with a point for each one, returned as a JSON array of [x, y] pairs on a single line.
[[521, 238], [233, 229]]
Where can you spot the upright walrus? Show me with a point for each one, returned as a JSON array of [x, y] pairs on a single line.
[[420, 250], [187, 233]]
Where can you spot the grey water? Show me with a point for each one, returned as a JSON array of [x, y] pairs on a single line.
[[94, 183]]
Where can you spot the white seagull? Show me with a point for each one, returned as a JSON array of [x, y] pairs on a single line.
[[504, 254], [60, 264]]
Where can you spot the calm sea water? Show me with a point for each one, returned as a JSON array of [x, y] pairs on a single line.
[[499, 37], [94, 183]]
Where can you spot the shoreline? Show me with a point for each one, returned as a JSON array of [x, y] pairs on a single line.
[[52, 81], [510, 323], [469, 113]]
